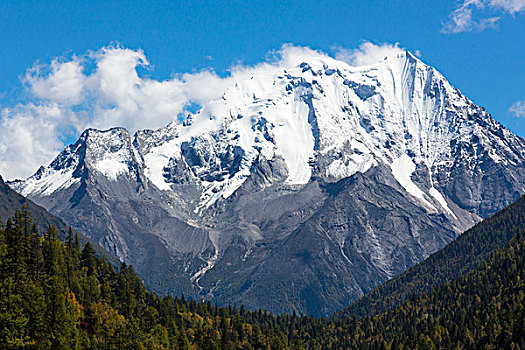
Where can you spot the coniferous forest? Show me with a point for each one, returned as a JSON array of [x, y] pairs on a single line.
[[60, 295], [262, 175], [447, 264]]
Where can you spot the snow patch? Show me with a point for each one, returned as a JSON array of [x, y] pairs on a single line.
[[295, 141], [441, 200], [210, 263], [155, 162], [402, 169], [350, 165], [50, 182], [111, 168]]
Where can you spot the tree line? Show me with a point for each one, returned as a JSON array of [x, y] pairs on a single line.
[[60, 295]]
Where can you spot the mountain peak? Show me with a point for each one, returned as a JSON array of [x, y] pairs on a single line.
[[115, 131], [346, 175], [322, 117]]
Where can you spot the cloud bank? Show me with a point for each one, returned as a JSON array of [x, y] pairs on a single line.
[[103, 89], [478, 15]]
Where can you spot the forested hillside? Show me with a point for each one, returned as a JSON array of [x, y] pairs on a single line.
[[456, 259], [11, 201], [56, 295], [484, 309]]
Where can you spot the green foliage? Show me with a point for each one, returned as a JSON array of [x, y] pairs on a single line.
[[56, 295], [484, 309]]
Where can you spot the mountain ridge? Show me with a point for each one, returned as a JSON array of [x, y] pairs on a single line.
[[458, 258], [214, 197], [11, 202]]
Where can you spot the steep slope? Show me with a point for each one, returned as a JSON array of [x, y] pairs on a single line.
[[481, 310], [301, 189], [11, 202], [340, 245], [69, 299], [456, 259]]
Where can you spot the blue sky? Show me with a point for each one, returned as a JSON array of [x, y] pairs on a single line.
[[478, 45]]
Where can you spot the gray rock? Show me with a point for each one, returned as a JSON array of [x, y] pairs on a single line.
[[205, 208]]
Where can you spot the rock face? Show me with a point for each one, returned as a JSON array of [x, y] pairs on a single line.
[[298, 190], [11, 202]]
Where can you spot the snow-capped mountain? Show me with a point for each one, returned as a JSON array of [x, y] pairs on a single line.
[[301, 189]]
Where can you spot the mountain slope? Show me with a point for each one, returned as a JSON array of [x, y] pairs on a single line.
[[482, 309], [456, 259], [312, 266], [11, 202], [326, 177], [58, 296]]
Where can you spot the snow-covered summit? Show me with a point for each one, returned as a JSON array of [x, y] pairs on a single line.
[[323, 117], [346, 175], [107, 152]]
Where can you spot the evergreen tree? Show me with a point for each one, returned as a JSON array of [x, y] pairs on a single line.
[[62, 297]]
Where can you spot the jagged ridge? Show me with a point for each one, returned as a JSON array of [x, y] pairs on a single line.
[[254, 172]]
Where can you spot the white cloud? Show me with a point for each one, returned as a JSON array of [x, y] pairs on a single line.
[[103, 89], [28, 138], [463, 18], [291, 55], [368, 53], [510, 6], [518, 109], [64, 81]]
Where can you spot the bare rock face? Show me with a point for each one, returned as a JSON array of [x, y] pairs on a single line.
[[11, 202], [299, 190]]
